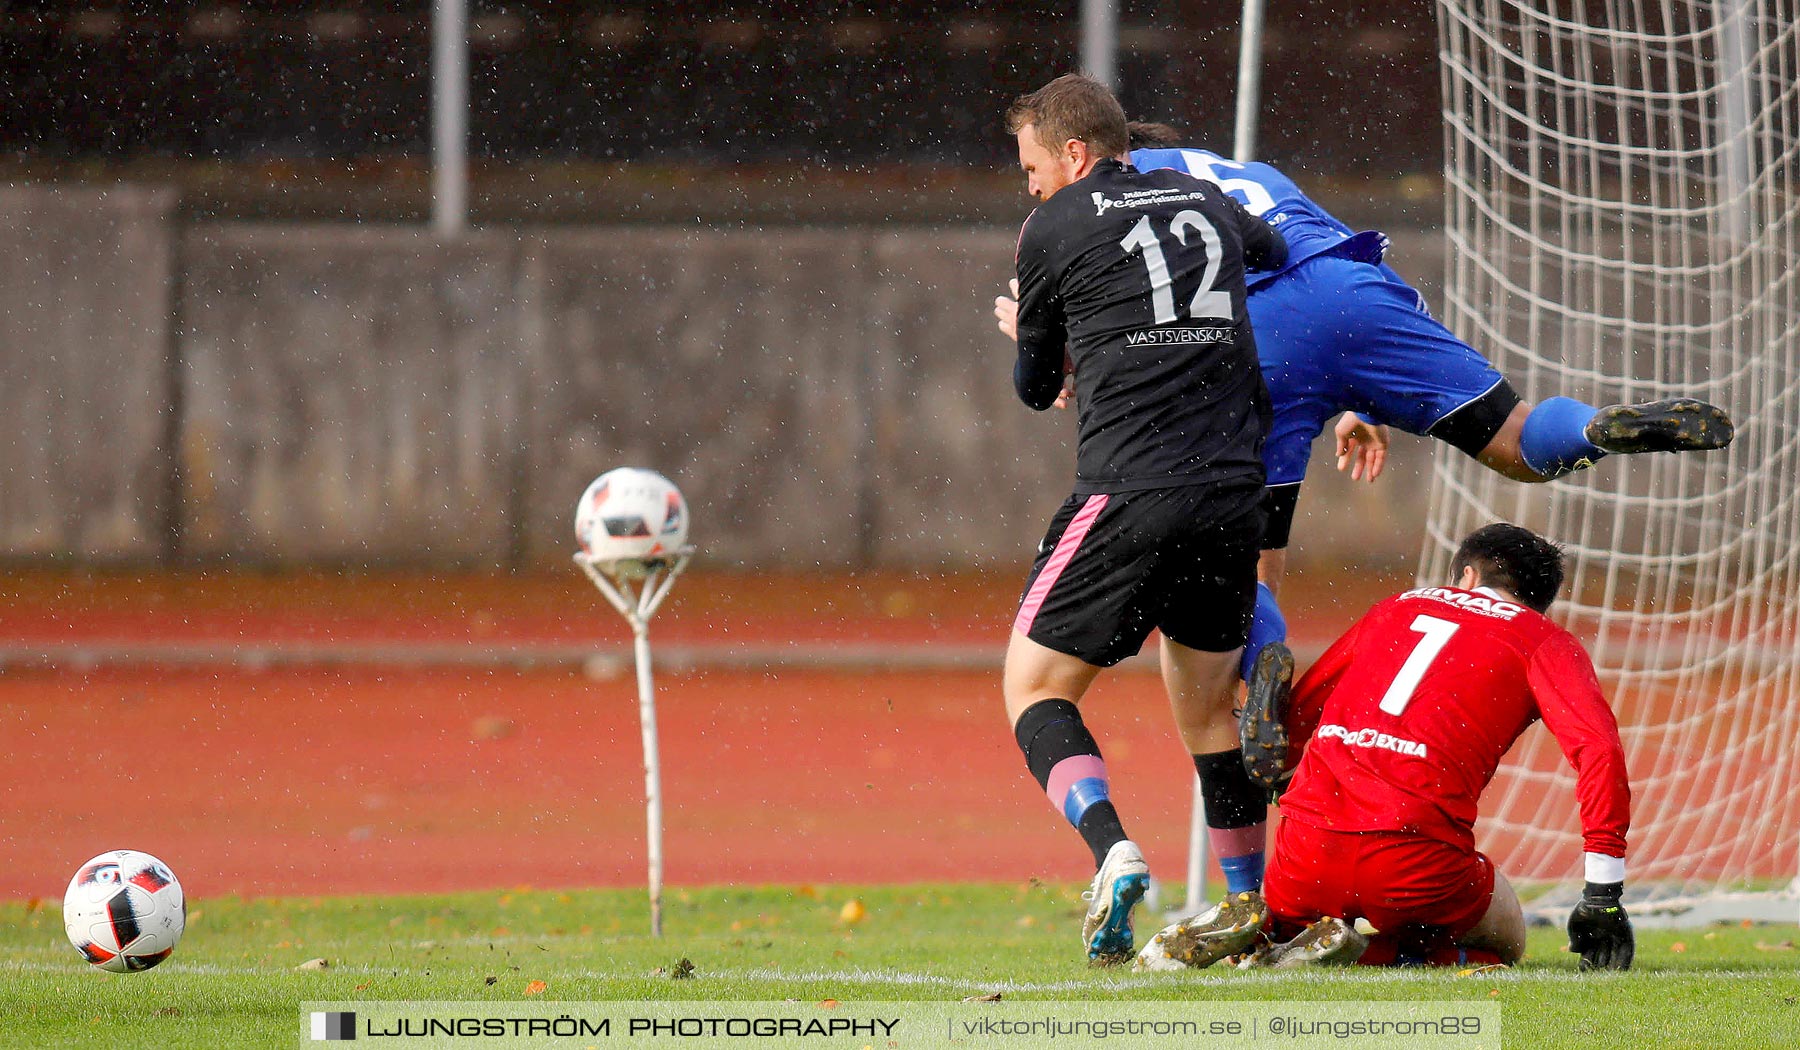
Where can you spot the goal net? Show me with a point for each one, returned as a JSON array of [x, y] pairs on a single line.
[[1624, 224]]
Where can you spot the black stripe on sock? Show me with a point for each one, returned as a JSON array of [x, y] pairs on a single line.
[[1232, 799], [1101, 829], [1050, 731]]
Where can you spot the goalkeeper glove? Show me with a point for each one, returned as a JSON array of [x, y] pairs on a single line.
[[1599, 929]]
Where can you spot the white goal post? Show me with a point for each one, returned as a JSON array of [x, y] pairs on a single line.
[[1622, 185]]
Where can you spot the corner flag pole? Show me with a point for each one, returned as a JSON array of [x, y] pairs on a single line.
[[1243, 149], [637, 605]]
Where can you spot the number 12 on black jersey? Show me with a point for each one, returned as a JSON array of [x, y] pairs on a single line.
[[1208, 301]]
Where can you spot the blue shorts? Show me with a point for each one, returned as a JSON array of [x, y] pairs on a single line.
[[1335, 335]]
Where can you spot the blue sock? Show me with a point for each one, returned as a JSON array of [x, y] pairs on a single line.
[[1554, 441], [1242, 874], [1266, 625]]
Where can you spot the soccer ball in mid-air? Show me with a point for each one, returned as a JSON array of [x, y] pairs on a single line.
[[124, 911], [631, 515]]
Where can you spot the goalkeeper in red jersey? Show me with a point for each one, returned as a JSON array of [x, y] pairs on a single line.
[[1394, 734]]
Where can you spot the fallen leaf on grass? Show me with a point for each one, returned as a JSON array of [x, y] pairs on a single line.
[[1678, 947], [169, 1011], [536, 988], [315, 964], [490, 980], [828, 1004], [1780, 946], [991, 997]]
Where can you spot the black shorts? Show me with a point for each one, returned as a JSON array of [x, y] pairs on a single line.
[[1471, 427], [1114, 566]]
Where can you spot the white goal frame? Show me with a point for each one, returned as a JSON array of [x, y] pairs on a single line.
[[1622, 205], [1690, 172]]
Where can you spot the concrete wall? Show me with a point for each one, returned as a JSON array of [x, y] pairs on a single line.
[[85, 399], [961, 465], [350, 395], [304, 394], [730, 360]]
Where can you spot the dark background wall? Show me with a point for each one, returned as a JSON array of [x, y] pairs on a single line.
[[1349, 87], [750, 245]]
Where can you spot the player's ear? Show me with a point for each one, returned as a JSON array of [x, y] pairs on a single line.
[[1469, 580]]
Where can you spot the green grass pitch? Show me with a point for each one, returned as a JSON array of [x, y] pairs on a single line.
[[234, 980]]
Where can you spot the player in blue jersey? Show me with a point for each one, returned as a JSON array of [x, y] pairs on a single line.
[[1338, 331]]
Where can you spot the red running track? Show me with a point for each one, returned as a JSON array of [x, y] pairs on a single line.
[[364, 779]]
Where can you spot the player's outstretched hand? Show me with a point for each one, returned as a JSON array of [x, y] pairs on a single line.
[[1599, 929], [1361, 447], [1006, 311]]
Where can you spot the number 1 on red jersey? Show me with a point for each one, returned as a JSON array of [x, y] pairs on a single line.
[[1437, 633]]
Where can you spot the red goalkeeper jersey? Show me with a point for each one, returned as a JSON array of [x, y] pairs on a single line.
[[1406, 717]]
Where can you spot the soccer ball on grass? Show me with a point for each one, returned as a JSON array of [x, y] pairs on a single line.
[[124, 911]]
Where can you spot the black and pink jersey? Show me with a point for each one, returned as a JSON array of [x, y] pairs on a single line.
[[1139, 276]]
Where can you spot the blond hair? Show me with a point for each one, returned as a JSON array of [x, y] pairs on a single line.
[[1072, 106]]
